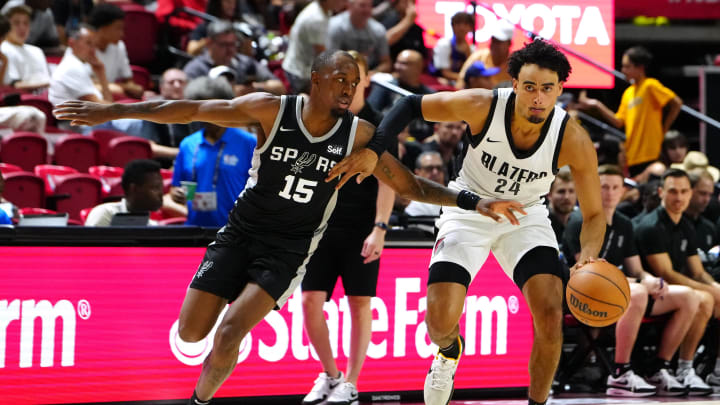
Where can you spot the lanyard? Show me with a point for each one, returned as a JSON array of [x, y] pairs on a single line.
[[609, 242], [217, 164]]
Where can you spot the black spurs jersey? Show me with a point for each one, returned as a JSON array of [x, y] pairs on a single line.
[[286, 198]]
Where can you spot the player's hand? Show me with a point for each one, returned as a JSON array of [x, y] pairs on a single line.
[[373, 245], [494, 208], [583, 262], [83, 112], [655, 286], [178, 195], [361, 162]]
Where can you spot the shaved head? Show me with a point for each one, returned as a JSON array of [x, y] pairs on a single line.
[[329, 59]]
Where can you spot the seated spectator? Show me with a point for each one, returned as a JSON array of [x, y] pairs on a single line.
[[451, 51], [649, 296], [308, 36], [495, 56], [402, 31], [109, 23], [447, 140], [222, 49], [408, 68], [706, 237], [477, 76], [562, 200], [227, 10], [68, 15], [666, 242], [27, 68], [143, 188], [429, 165], [674, 148], [355, 29], [217, 159], [42, 24]]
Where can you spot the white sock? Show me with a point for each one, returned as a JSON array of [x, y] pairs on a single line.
[[717, 366], [683, 366]]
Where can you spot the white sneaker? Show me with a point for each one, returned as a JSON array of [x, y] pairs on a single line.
[[666, 384], [344, 394], [628, 384], [694, 385], [324, 385], [713, 380], [440, 380]]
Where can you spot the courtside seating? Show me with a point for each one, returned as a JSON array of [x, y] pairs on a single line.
[[9, 168], [125, 149], [52, 174], [104, 136], [77, 151], [111, 178], [43, 104], [24, 189], [81, 191], [24, 149]]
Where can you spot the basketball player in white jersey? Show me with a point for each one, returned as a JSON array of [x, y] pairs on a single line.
[[517, 139], [258, 259]]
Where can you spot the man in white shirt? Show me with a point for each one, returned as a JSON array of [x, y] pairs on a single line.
[[143, 187], [27, 68], [109, 23]]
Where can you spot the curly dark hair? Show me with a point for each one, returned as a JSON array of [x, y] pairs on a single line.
[[542, 53]]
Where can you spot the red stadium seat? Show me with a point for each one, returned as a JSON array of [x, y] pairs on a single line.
[[24, 149], [111, 178], [24, 189], [77, 151], [104, 136], [8, 168], [36, 211], [173, 221], [167, 175], [141, 32], [43, 104], [123, 150], [82, 191], [84, 214], [141, 76], [52, 174]]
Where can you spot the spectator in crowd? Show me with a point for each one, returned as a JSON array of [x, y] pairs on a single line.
[[402, 31], [451, 51], [350, 249], [640, 111], [308, 37], [355, 29], [42, 25], [477, 76], [68, 15], [666, 242], [649, 199], [649, 296], [561, 202], [217, 159], [674, 148], [166, 138], [222, 46], [27, 68], [5, 218], [109, 23], [227, 10], [703, 185], [429, 165], [495, 56], [408, 68], [447, 140], [143, 188]]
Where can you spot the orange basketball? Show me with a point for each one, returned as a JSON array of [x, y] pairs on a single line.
[[598, 294]]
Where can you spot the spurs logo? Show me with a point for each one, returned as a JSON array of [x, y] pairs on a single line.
[[205, 266], [302, 162]]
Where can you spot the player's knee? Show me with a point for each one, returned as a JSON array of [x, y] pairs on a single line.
[[439, 326], [227, 339], [190, 334], [313, 301], [638, 298]]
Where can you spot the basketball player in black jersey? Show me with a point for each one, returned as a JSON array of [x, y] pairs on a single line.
[[517, 141], [258, 259]]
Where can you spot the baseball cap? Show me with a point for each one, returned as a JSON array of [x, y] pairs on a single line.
[[478, 69], [222, 70], [503, 31]]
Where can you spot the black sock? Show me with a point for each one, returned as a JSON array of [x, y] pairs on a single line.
[[531, 402], [195, 401], [452, 351], [620, 369], [658, 364]]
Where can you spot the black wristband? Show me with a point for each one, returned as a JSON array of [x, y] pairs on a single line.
[[382, 225], [467, 200]]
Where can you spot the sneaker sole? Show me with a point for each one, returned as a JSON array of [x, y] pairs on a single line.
[[699, 393], [619, 392], [670, 394]]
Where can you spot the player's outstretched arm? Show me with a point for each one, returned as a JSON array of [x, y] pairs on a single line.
[[578, 152], [245, 110]]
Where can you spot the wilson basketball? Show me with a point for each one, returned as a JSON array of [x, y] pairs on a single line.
[[598, 294]]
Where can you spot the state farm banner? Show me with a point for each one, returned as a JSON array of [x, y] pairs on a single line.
[[94, 324], [587, 27], [681, 9]]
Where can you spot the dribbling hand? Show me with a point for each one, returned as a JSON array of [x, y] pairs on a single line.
[[361, 162], [583, 262], [494, 208]]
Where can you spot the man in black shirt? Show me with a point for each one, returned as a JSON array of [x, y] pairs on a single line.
[[561, 202], [648, 296], [703, 186], [666, 242]]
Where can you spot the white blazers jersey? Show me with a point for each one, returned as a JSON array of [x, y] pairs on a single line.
[[494, 168]]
